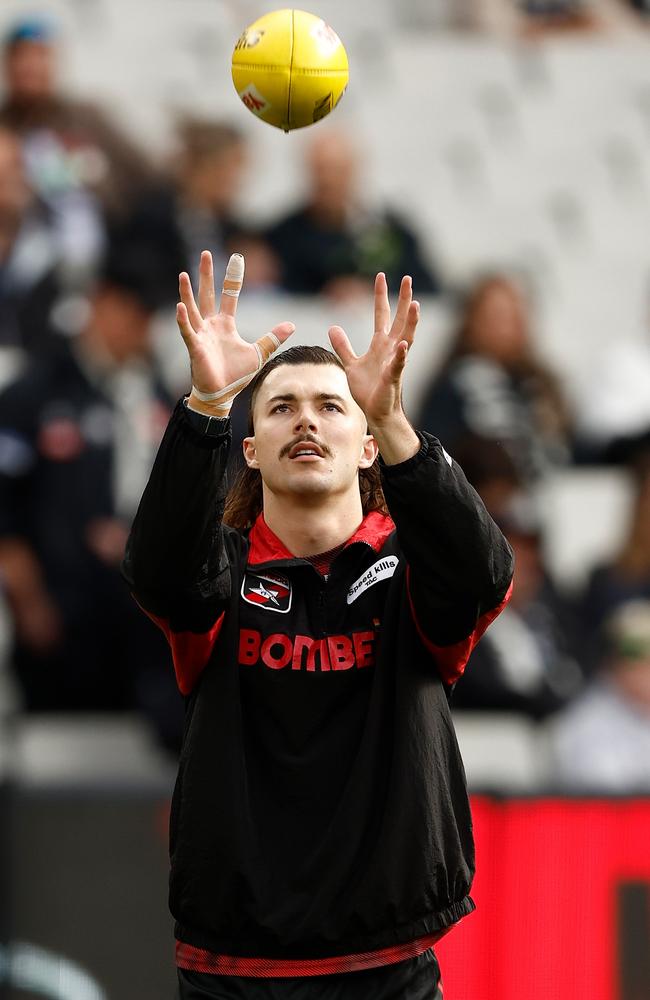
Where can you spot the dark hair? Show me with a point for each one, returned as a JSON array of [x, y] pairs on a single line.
[[201, 137], [244, 501], [134, 268]]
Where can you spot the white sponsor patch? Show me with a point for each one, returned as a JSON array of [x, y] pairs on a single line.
[[380, 570]]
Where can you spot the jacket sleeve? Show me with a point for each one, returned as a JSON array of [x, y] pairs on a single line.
[[177, 560], [459, 565]]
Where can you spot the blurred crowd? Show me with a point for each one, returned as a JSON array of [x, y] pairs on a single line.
[[531, 18], [92, 238]]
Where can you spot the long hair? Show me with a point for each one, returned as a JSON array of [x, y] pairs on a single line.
[[244, 500]]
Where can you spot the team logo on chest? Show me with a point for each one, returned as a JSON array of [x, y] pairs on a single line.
[[270, 591]]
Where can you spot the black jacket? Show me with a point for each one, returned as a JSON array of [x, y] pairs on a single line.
[[320, 807]]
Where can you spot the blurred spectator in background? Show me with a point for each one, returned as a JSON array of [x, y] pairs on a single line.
[[78, 434], [627, 575], [335, 244], [613, 424], [602, 742], [493, 385], [196, 210], [31, 258], [77, 161], [526, 662], [537, 18]]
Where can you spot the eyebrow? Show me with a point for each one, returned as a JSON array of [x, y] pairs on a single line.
[[290, 397]]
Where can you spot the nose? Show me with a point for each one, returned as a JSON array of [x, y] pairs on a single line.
[[306, 420]]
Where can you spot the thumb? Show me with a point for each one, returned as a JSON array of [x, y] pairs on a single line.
[[269, 343], [283, 331], [341, 344]]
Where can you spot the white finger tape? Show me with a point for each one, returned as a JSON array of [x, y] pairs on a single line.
[[235, 268]]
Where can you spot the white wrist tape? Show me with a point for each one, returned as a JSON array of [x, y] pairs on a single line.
[[234, 279], [222, 400]]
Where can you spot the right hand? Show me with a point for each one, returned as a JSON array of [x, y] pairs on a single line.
[[218, 355]]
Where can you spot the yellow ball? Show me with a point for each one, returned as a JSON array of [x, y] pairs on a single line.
[[290, 69]]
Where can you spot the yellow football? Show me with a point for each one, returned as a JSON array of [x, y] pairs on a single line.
[[290, 68]]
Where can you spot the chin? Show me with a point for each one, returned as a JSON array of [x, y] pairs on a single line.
[[312, 486]]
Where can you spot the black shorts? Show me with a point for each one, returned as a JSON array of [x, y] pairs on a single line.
[[414, 979]]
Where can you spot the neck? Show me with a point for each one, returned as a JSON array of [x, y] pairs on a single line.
[[308, 529], [333, 216]]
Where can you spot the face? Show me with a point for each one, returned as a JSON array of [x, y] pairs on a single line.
[[497, 324], [310, 436], [633, 679], [122, 324], [332, 166], [215, 178], [30, 70]]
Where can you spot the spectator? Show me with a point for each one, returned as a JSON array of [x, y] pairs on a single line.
[[78, 433], [31, 258], [627, 576], [334, 244], [79, 163], [601, 743], [196, 211], [538, 18], [526, 661], [492, 384]]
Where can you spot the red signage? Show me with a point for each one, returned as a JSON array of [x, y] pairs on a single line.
[[563, 903]]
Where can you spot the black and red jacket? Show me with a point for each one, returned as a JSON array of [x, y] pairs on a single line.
[[320, 809]]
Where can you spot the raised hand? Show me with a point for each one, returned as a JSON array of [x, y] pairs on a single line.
[[375, 378], [219, 358]]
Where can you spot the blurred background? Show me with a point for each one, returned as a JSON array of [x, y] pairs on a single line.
[[499, 152]]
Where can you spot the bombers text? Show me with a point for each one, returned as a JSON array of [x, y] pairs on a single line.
[[302, 652]]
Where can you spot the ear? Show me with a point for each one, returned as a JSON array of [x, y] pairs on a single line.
[[369, 451], [250, 454]]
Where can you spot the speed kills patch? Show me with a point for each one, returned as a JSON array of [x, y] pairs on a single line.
[[380, 570]]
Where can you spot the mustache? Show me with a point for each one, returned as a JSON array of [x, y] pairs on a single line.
[[304, 439]]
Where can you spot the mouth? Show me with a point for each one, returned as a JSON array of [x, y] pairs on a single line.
[[305, 451]]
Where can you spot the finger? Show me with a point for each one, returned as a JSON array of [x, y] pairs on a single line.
[[206, 285], [187, 298], [184, 325], [403, 303], [398, 362], [232, 284], [339, 341], [382, 305], [283, 331], [410, 326], [269, 343]]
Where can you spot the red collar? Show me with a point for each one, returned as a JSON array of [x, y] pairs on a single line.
[[265, 546]]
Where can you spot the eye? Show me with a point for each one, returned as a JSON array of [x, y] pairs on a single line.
[[280, 408], [332, 406]]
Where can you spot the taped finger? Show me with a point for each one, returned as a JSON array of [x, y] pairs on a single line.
[[265, 347], [232, 284]]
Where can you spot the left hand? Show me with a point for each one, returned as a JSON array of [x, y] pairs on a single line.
[[375, 378]]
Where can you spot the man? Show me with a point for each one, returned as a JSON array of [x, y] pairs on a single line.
[[79, 161], [196, 208], [33, 261], [79, 431], [333, 243], [320, 830], [616, 702]]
